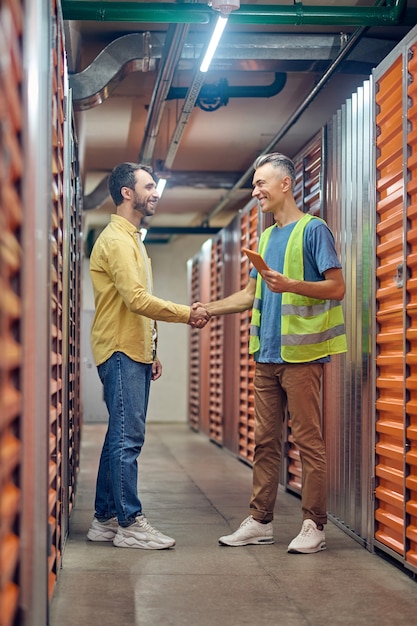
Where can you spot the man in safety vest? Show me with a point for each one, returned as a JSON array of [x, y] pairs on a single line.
[[297, 323]]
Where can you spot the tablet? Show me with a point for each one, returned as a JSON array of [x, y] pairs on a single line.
[[256, 259]]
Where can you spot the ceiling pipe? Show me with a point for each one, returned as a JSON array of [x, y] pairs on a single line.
[[177, 178], [297, 14], [191, 96], [208, 92], [292, 120], [172, 52]]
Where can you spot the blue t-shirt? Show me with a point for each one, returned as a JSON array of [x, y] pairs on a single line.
[[319, 256]]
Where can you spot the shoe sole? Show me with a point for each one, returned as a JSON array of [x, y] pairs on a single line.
[[131, 542], [319, 548], [249, 542], [100, 536]]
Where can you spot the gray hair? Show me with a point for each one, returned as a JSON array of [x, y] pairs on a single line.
[[278, 161]]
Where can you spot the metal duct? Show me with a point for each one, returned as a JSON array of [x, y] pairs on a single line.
[[297, 14], [268, 52], [127, 54]]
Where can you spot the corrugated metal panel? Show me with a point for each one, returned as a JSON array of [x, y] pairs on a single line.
[[11, 362], [347, 393]]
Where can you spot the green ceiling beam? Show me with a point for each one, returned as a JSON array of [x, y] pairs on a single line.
[[185, 13]]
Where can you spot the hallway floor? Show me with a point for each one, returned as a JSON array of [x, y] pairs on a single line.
[[195, 492]]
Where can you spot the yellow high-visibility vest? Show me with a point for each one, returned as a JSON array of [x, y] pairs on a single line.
[[310, 328]]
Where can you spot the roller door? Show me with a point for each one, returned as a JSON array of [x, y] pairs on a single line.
[[199, 280], [11, 217], [216, 358], [390, 339], [396, 376], [194, 350], [249, 235], [56, 421], [308, 196]]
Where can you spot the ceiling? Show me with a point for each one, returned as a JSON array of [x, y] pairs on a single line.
[[279, 74]]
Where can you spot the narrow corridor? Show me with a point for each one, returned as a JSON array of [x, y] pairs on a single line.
[[194, 491]]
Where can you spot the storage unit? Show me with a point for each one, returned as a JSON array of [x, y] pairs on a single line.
[[245, 427], [39, 308], [308, 194], [11, 349], [395, 439]]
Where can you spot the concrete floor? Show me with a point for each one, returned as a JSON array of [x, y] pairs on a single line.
[[195, 492]]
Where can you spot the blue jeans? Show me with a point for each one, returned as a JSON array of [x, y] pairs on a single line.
[[126, 393]]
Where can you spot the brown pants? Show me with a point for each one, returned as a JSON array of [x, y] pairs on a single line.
[[297, 387]]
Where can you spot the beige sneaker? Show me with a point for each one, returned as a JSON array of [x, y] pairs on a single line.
[[103, 531], [250, 532], [310, 539], [140, 534]]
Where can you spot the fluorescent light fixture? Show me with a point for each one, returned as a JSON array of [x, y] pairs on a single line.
[[161, 186], [214, 42]]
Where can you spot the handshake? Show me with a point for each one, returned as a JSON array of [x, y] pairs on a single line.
[[199, 315]]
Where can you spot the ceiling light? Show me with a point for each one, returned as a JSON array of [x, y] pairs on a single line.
[[161, 186], [225, 6], [214, 42]]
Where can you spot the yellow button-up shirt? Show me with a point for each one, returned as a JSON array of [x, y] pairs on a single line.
[[125, 308]]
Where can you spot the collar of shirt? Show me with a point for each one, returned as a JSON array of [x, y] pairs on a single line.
[[124, 223]]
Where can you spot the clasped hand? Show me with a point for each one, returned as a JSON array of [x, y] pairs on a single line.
[[199, 316]]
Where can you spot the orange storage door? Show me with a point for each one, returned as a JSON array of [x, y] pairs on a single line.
[[194, 401], [216, 326], [390, 315], [308, 196], [396, 381], [411, 357], [249, 231]]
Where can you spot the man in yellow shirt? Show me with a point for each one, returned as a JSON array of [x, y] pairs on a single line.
[[123, 338]]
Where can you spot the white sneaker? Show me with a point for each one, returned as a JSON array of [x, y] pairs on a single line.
[[310, 539], [140, 534], [249, 532], [103, 531]]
